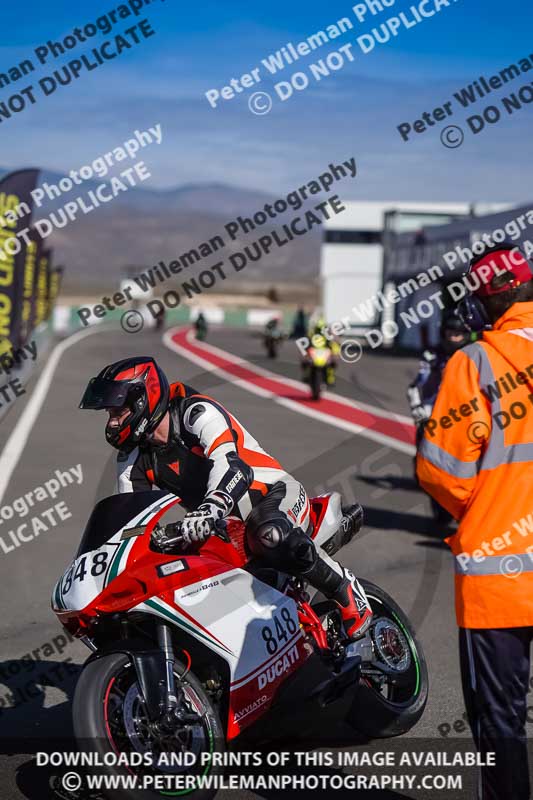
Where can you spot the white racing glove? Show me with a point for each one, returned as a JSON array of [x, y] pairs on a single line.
[[197, 526], [419, 414]]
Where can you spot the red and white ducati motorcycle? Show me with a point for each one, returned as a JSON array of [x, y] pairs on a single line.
[[198, 651]]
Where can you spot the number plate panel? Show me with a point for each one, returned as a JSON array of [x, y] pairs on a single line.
[[86, 577]]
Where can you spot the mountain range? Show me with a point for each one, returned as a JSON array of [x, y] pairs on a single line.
[[143, 226]]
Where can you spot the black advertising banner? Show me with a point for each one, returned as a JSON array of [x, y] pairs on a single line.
[[43, 279], [54, 286], [16, 205], [34, 251]]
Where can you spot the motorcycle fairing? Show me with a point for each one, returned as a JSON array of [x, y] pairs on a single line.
[[251, 625], [107, 561], [248, 623], [326, 515], [320, 356]]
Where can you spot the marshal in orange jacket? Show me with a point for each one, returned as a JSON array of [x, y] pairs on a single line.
[[476, 460]]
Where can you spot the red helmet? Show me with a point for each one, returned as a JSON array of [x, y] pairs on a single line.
[[138, 384]]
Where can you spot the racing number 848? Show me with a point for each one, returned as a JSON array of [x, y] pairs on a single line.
[[99, 565], [272, 638]]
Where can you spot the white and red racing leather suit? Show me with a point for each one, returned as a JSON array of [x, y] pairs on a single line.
[[211, 457]]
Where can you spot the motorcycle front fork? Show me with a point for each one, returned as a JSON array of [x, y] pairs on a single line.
[[164, 640], [174, 712]]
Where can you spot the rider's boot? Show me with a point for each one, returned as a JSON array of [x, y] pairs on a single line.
[[354, 606], [341, 585]]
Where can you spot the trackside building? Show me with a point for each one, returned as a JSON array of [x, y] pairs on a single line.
[[376, 247], [434, 260], [352, 257]]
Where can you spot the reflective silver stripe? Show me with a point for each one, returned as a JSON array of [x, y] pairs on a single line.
[[471, 662], [512, 454], [448, 463], [496, 453], [525, 333], [509, 566], [437, 455]]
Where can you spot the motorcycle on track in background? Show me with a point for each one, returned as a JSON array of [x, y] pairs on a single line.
[[273, 338], [193, 649], [319, 369]]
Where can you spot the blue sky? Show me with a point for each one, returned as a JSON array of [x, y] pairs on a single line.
[[354, 112]]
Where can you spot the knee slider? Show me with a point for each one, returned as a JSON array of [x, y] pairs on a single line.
[[268, 539], [301, 552]]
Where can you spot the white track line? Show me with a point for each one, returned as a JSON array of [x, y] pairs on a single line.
[[14, 446], [358, 430]]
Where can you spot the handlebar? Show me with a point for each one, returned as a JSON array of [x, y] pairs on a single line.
[[169, 537]]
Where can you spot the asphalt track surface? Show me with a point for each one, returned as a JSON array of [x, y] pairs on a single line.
[[400, 549]]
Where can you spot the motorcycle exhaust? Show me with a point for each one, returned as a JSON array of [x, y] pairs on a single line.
[[351, 524]]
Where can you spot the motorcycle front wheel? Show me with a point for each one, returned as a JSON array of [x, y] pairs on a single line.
[[316, 382], [110, 717]]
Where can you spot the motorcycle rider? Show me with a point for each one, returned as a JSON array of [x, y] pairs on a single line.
[[173, 438], [200, 326], [273, 329], [273, 336], [318, 339]]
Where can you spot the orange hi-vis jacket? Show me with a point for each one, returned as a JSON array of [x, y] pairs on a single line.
[[476, 460]]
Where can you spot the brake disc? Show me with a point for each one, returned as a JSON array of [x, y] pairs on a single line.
[[391, 645]]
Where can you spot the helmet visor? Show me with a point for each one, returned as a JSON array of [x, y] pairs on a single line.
[[102, 393]]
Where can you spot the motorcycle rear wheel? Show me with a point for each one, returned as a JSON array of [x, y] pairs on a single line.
[[109, 717], [380, 713]]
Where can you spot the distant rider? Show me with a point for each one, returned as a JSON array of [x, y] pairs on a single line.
[[200, 326], [320, 338]]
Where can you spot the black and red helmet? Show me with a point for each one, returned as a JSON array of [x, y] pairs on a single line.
[[138, 384]]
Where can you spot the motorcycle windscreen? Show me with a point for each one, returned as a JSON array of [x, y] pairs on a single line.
[[103, 547], [112, 514]]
